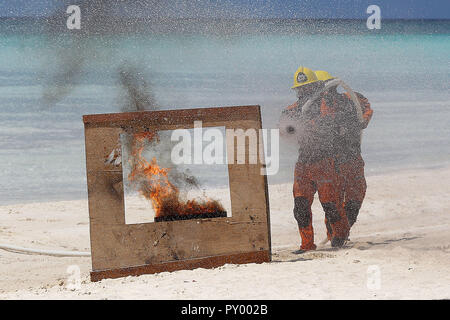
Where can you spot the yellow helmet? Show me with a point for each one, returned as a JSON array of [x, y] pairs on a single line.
[[323, 75], [303, 76]]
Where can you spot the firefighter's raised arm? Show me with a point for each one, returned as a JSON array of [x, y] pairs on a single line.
[[367, 111]]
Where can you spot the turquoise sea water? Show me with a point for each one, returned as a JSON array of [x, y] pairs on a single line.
[[403, 69]]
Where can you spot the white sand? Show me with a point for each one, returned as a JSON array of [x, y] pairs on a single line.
[[403, 232]]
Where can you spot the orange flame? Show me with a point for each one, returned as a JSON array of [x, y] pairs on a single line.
[[155, 186]]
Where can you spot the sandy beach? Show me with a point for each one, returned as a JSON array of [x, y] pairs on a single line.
[[399, 249]]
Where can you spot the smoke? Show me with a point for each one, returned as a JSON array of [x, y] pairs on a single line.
[[101, 20], [63, 80], [73, 50], [69, 53], [138, 94]]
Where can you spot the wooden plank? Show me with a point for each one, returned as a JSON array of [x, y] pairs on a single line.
[[173, 117], [106, 205], [131, 245], [117, 246], [100, 142], [266, 191], [188, 264]]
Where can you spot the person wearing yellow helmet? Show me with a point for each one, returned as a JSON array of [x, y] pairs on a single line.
[[323, 75], [315, 168], [349, 161], [303, 76], [305, 82], [305, 86]]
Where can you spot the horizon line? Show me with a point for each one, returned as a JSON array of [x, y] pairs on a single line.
[[227, 18]]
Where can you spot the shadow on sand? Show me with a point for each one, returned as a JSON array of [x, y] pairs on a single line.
[[327, 252]]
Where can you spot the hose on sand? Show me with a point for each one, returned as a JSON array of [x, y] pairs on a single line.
[[54, 253]]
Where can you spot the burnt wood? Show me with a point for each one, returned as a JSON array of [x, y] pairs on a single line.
[[176, 217], [207, 263], [120, 249]]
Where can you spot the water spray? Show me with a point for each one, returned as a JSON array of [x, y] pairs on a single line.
[[290, 127]]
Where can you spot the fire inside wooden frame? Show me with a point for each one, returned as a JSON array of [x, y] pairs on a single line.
[[119, 249]]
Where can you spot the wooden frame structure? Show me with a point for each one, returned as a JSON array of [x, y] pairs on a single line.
[[120, 249]]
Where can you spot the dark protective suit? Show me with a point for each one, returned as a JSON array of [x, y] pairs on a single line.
[[315, 170], [349, 162]]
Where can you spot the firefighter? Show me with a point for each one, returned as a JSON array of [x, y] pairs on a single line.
[[315, 169], [349, 162]]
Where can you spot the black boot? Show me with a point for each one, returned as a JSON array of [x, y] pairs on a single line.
[[338, 242], [352, 210]]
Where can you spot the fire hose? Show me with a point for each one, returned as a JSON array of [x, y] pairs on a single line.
[[55, 253], [289, 126], [330, 84]]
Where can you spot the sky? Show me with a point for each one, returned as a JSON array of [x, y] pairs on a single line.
[[390, 9]]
